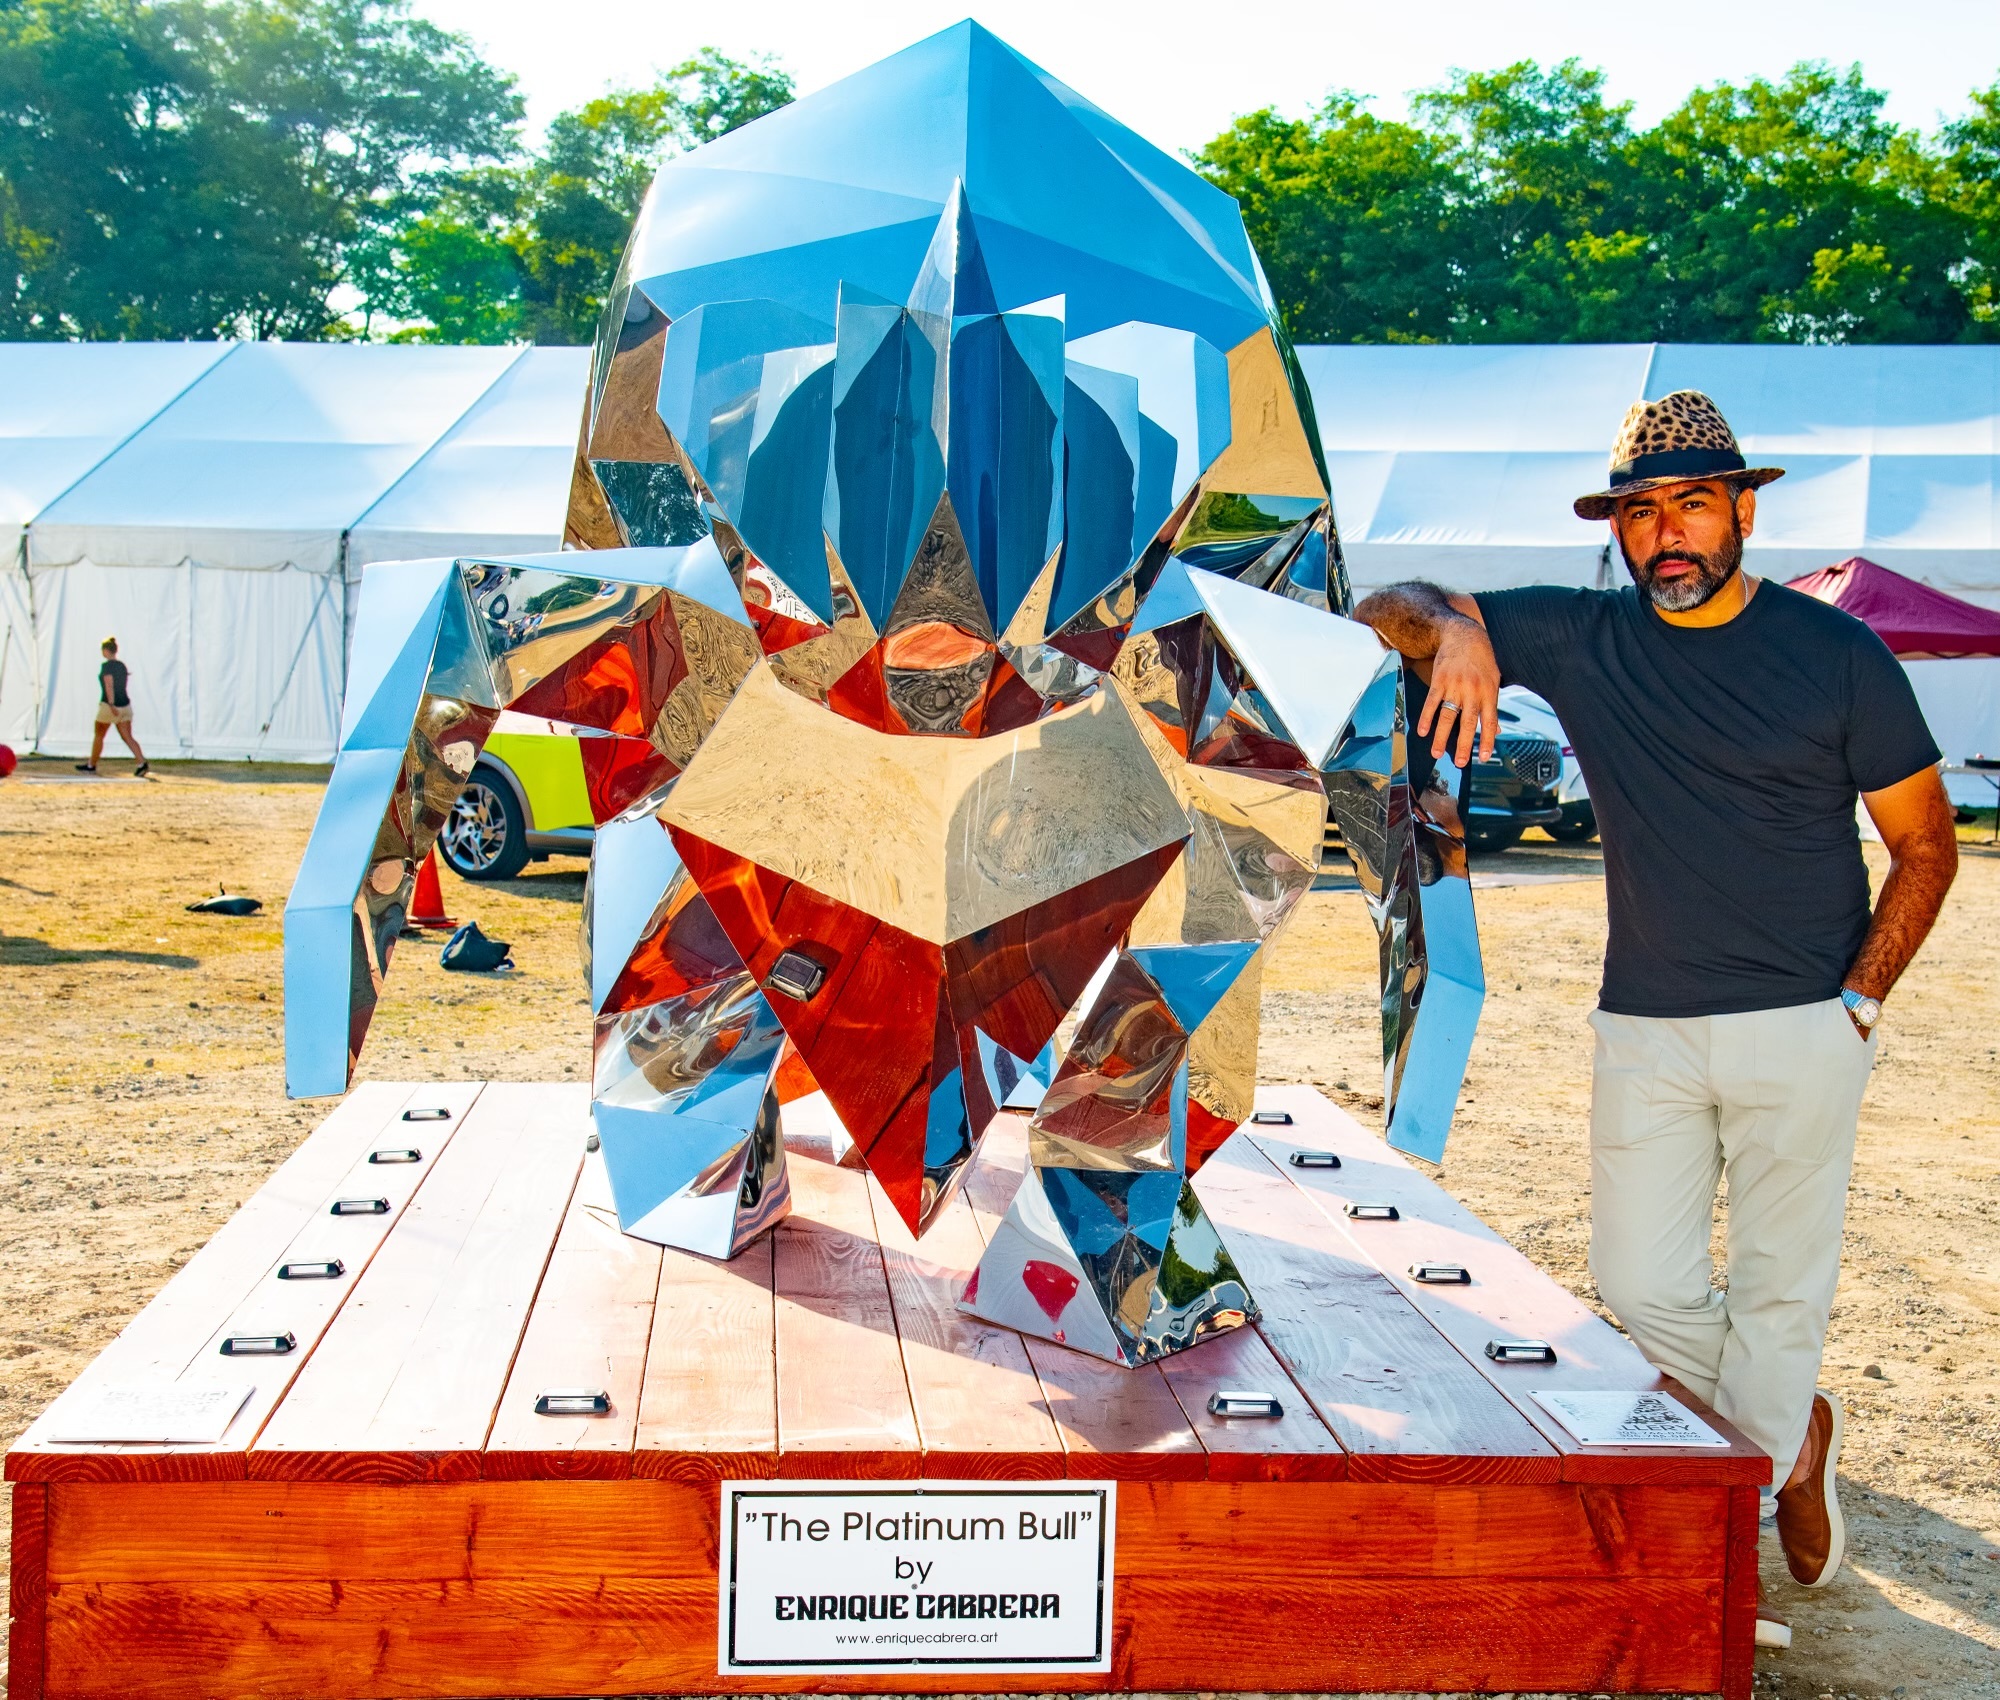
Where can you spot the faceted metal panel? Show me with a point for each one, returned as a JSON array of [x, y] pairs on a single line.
[[953, 616]]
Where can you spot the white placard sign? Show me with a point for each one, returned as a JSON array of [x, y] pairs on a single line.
[[1627, 1419], [857, 1576], [169, 1413]]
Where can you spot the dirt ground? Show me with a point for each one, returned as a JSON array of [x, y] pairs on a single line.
[[142, 1100]]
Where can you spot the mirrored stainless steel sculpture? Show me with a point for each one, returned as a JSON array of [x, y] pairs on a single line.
[[954, 621]]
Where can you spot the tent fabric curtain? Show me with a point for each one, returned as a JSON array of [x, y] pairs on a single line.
[[20, 670], [225, 664]]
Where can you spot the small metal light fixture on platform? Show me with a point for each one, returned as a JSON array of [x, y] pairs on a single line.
[[1238, 1403], [437, 1113], [1374, 1213], [573, 1402], [1441, 1274], [1520, 1351], [408, 1154], [796, 975], [359, 1207], [259, 1345], [1271, 1118], [1313, 1160], [329, 1270]]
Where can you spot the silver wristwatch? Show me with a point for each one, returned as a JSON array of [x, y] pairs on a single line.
[[1864, 1011]]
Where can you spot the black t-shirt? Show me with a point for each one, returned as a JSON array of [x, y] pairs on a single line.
[[111, 684], [1723, 763]]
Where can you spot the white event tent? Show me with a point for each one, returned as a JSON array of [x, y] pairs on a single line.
[[63, 408], [497, 482], [211, 542], [1459, 464], [213, 504], [216, 540]]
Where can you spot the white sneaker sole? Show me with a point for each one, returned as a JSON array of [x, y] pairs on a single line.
[[1836, 1549], [1771, 1633]]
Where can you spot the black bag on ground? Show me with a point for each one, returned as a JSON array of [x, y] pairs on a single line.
[[225, 904], [469, 951]]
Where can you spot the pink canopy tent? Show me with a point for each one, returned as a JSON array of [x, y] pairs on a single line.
[[1915, 621]]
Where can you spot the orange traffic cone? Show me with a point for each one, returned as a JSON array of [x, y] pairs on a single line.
[[427, 906]]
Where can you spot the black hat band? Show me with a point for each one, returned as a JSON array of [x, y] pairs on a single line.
[[1677, 463]]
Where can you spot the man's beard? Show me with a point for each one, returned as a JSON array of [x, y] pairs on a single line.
[[1689, 590]]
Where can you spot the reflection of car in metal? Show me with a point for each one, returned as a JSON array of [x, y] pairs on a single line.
[[1513, 791], [524, 802], [1521, 708], [1528, 783]]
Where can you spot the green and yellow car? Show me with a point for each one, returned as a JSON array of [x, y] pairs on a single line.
[[525, 802]]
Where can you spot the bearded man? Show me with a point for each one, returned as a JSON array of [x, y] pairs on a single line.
[[1726, 727]]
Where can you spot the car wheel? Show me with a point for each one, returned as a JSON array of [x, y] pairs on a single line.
[[1485, 838], [485, 837], [1579, 831]]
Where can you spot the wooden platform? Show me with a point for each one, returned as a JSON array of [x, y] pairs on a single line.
[[388, 1516]]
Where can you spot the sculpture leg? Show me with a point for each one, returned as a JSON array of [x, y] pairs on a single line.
[[1408, 855], [419, 707], [1105, 1247], [684, 1093]]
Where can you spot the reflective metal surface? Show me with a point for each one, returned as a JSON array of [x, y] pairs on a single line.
[[956, 601]]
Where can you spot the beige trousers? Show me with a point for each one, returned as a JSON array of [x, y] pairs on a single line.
[[1771, 1099]]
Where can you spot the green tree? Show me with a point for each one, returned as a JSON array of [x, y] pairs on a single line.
[[194, 168], [1523, 206], [1793, 211], [1970, 167], [1543, 160], [560, 219], [1353, 216]]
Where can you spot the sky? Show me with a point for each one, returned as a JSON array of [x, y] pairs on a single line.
[[1178, 72]]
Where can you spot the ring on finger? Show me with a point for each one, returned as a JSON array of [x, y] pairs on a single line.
[[1452, 707]]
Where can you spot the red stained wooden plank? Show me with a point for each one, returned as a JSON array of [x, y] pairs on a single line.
[[230, 1593], [1118, 1423], [1297, 1447], [843, 1404], [1401, 1400], [405, 1383], [322, 1589], [234, 1278], [709, 1410], [979, 1405], [28, 1592], [1563, 1637], [361, 1531], [1509, 1297], [333, 1533], [466, 1638], [1739, 1596], [589, 1329]]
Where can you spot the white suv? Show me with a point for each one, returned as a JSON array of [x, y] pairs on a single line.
[[1520, 707]]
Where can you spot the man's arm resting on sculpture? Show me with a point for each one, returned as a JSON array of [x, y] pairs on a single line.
[[1914, 818], [1443, 636]]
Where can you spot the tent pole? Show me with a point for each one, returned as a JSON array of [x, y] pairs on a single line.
[[305, 637]]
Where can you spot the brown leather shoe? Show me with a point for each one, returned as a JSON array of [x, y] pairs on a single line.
[[1809, 1522], [1772, 1629]]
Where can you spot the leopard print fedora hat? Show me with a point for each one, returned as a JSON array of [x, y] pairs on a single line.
[[1679, 438]]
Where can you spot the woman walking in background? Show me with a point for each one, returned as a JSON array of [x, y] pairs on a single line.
[[114, 708]]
